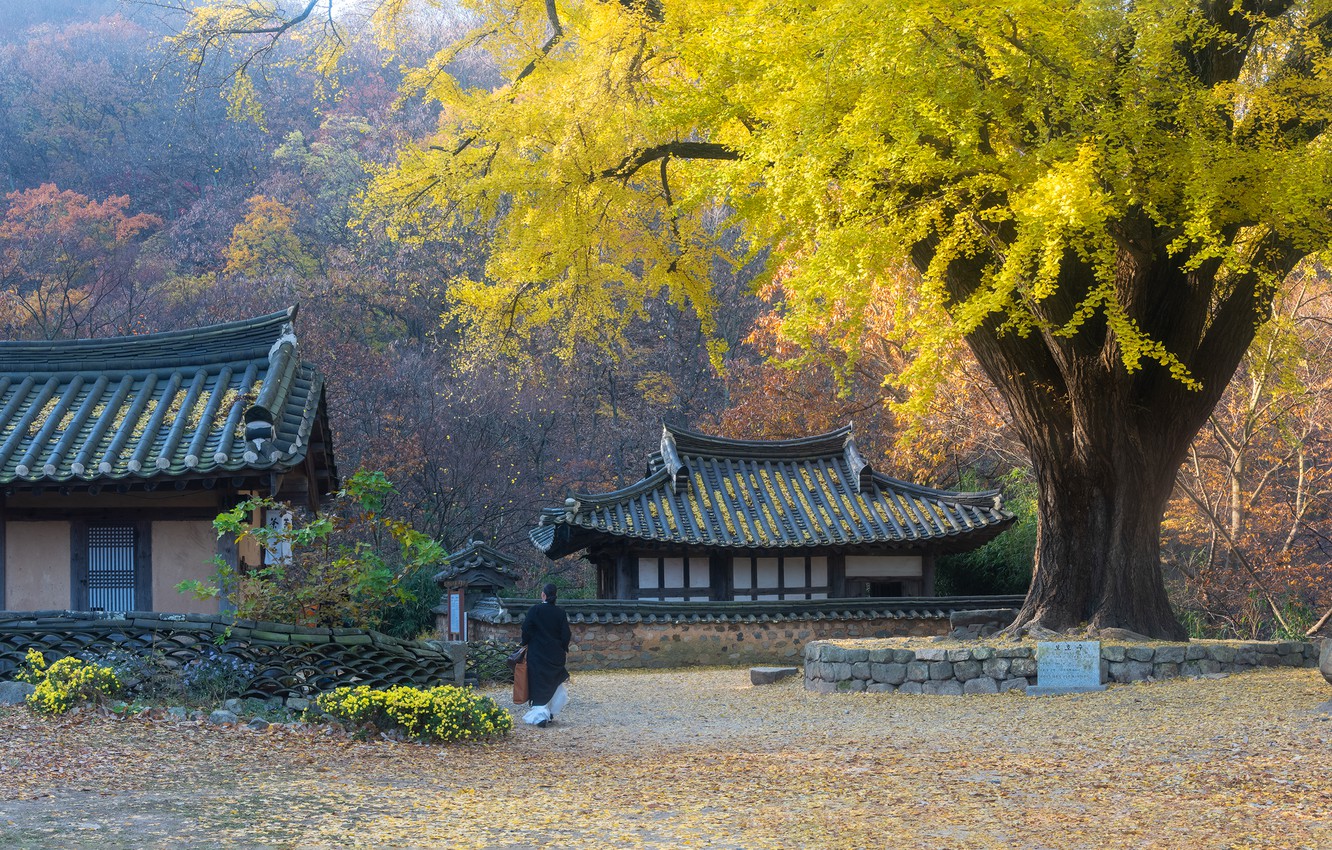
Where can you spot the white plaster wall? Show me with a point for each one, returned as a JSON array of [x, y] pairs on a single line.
[[182, 550], [36, 566], [883, 566]]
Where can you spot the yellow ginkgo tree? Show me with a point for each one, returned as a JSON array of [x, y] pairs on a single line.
[[1103, 195]]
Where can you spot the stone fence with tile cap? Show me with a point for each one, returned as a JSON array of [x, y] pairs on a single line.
[[832, 666], [289, 661], [614, 633]]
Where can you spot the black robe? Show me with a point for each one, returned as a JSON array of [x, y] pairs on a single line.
[[546, 636]]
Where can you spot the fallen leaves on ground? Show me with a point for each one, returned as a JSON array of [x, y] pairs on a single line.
[[702, 759]]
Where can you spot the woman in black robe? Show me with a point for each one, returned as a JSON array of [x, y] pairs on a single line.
[[546, 636]]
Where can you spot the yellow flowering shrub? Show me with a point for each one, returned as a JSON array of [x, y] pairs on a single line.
[[66, 682], [445, 713]]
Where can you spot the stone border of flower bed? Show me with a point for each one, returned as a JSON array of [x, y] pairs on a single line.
[[894, 666]]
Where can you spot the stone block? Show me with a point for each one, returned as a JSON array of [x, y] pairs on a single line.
[[221, 717], [1013, 652], [1018, 684], [1112, 653], [1131, 671], [1269, 659], [860, 670], [1022, 667], [1192, 669], [1246, 655], [931, 654], [956, 655], [837, 671], [1169, 655], [1325, 660], [980, 685], [880, 656], [768, 675], [821, 687], [1193, 652], [1000, 617], [851, 685], [965, 671], [880, 688], [903, 656], [1139, 653], [918, 671], [996, 668], [950, 688], [1222, 653], [1165, 670], [892, 674], [14, 693], [940, 670], [910, 688], [982, 653]]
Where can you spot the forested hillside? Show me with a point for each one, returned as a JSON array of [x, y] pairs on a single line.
[[144, 191]]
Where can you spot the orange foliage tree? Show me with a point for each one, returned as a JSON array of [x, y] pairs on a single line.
[[68, 264], [1243, 530]]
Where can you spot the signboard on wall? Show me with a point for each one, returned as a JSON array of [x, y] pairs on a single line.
[[457, 616]]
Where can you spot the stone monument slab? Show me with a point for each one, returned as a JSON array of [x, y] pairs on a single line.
[[1067, 667]]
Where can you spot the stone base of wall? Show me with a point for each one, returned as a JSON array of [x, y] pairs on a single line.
[[898, 666], [600, 646]]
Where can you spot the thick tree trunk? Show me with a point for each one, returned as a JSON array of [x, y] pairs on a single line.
[[1106, 440], [1098, 538]]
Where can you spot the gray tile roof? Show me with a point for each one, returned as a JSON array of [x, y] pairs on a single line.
[[816, 492], [478, 560], [619, 611], [224, 399]]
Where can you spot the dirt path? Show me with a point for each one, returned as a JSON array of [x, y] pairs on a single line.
[[702, 759]]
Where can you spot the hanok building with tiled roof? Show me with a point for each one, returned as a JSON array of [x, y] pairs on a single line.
[[116, 455], [743, 520]]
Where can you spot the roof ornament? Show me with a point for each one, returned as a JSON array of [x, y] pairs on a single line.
[[570, 508], [862, 474], [674, 465]]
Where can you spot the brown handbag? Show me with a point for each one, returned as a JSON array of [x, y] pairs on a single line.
[[520, 677]]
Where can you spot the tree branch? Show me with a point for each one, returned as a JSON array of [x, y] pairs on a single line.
[[628, 166]]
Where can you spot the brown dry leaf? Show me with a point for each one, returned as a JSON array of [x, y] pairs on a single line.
[[702, 759]]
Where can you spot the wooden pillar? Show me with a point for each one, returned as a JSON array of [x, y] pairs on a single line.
[[836, 576], [927, 574], [626, 578], [723, 578], [2, 551], [226, 550]]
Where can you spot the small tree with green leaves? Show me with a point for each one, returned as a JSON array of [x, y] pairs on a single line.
[[341, 568]]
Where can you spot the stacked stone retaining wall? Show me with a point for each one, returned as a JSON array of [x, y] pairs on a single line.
[[289, 661], [989, 669]]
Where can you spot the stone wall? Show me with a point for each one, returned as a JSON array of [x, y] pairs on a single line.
[[290, 661], [895, 666], [680, 643]]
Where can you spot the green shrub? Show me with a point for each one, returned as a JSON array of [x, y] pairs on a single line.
[[66, 682], [444, 713], [341, 568]]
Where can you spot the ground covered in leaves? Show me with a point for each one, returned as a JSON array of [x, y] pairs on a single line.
[[703, 759]]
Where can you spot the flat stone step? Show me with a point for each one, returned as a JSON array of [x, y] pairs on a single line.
[[768, 675]]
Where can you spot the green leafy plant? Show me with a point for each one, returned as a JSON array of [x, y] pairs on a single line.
[[341, 568], [445, 713], [66, 682], [1003, 565]]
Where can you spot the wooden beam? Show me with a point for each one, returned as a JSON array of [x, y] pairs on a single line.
[[3, 522]]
